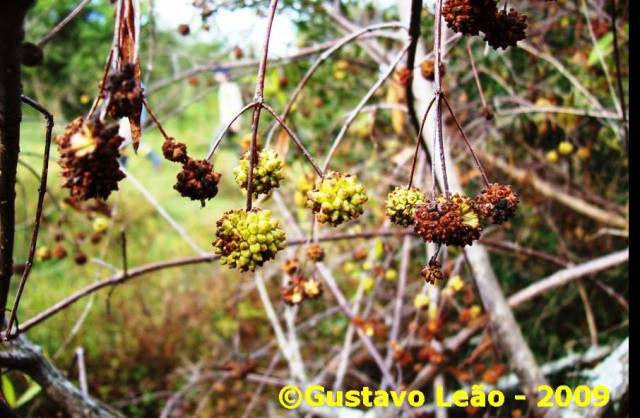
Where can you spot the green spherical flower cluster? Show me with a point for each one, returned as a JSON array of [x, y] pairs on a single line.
[[246, 240], [303, 186], [338, 198], [267, 173], [401, 205]]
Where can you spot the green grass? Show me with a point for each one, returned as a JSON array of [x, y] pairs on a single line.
[[149, 236]]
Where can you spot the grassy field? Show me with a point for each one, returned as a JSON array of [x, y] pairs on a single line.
[[149, 236]]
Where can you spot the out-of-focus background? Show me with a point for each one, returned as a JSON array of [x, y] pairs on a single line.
[[142, 340]]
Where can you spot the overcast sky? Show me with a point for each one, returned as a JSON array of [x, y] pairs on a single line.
[[242, 27]]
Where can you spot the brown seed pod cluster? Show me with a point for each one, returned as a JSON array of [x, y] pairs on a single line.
[[89, 152], [31, 55], [184, 29], [174, 151], [197, 180], [501, 29], [299, 288], [428, 69], [448, 221], [239, 369], [315, 252], [469, 17], [507, 28], [497, 203], [124, 93], [290, 266], [432, 272]]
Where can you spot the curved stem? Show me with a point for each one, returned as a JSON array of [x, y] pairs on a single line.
[[41, 194], [418, 138], [360, 106], [475, 74], [154, 118], [321, 59], [485, 179], [221, 135], [258, 98], [295, 139]]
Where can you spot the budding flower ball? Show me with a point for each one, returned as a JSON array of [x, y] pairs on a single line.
[[338, 198], [401, 205], [303, 186], [267, 172], [246, 240]]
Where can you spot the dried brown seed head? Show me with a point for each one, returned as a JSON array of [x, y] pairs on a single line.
[[174, 151], [315, 252], [89, 152], [124, 93], [496, 203], [197, 180], [507, 28]]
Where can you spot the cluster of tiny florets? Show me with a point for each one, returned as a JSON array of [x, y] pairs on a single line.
[[501, 29], [267, 172], [401, 205], [428, 69], [89, 152], [299, 288], [247, 239], [125, 93], [338, 198], [497, 203], [315, 252], [432, 272], [303, 186], [448, 221]]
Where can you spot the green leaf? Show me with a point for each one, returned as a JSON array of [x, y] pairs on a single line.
[[603, 47], [9, 391], [28, 394]]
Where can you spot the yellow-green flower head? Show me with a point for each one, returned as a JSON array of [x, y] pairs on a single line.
[[338, 198], [401, 205], [421, 301], [303, 186], [267, 173], [100, 224], [246, 240], [565, 148]]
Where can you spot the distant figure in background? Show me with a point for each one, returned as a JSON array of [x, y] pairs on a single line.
[[229, 100], [144, 150]]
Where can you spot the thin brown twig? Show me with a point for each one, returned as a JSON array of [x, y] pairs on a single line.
[[207, 258], [153, 117], [485, 179], [476, 76], [258, 98], [616, 59], [295, 139], [418, 142], [322, 58], [218, 141], [64, 22], [439, 94], [42, 189], [356, 111], [107, 67]]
